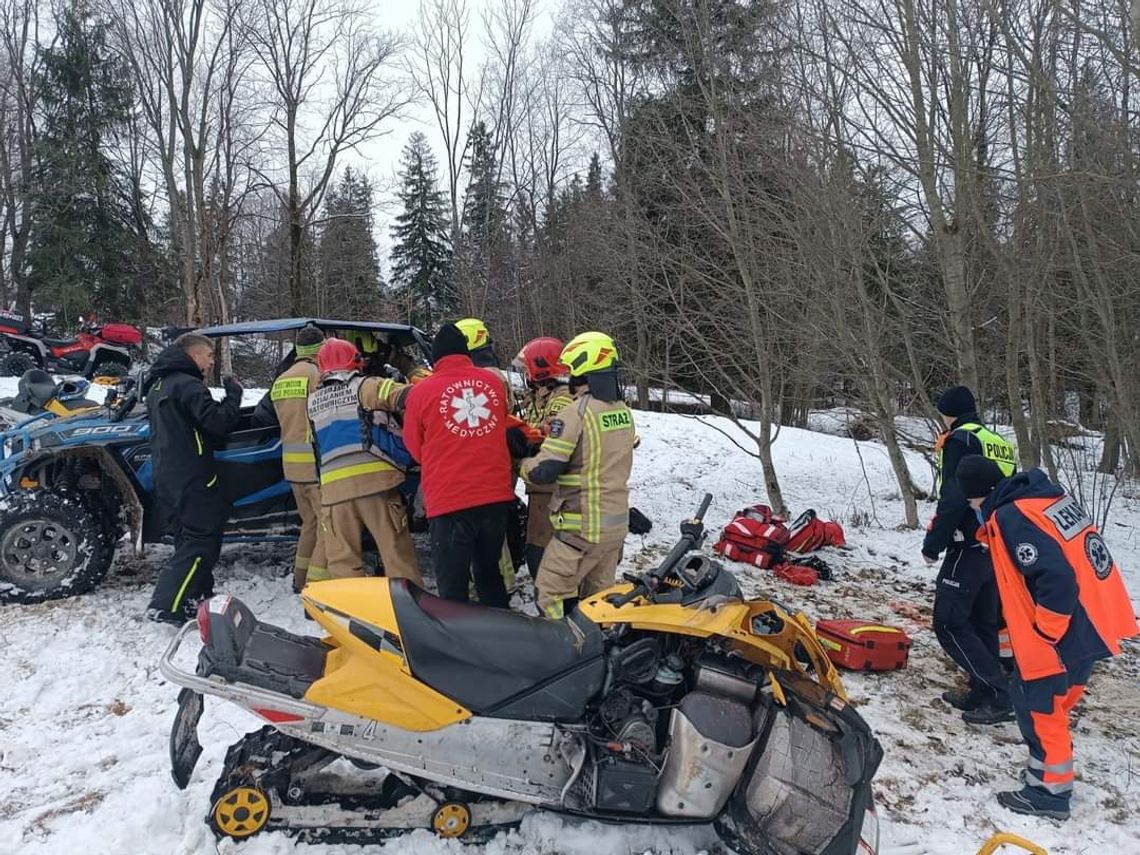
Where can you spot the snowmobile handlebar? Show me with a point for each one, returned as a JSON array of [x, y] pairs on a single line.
[[692, 536]]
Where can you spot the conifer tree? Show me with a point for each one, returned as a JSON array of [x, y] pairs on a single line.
[[421, 257], [85, 253], [350, 270]]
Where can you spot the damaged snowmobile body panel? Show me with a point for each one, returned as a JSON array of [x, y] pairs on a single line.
[[638, 707]]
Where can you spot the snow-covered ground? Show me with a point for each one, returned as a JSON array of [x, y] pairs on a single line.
[[85, 717]]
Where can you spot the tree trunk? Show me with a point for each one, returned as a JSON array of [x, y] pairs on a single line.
[[1110, 453], [1027, 451]]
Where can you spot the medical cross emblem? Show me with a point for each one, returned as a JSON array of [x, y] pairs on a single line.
[[470, 408]]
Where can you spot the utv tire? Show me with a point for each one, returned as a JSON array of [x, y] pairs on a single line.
[[51, 547], [16, 363], [109, 368]]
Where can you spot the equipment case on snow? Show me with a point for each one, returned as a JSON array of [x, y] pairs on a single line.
[[861, 645]]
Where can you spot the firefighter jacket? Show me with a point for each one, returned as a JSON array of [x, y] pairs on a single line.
[[456, 427], [290, 396], [539, 411], [186, 424], [1062, 595], [357, 435], [588, 455], [954, 523]]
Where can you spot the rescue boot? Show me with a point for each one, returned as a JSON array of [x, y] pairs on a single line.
[[1033, 801], [989, 712], [178, 617], [965, 700]]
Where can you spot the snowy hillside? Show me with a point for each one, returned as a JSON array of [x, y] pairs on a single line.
[[85, 718]]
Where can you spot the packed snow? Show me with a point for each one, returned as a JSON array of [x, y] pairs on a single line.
[[85, 716]]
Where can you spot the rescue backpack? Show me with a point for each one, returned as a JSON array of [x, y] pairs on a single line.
[[756, 536], [809, 533]]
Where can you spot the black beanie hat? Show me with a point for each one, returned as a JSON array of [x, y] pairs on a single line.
[[977, 476], [957, 401], [309, 340], [448, 341]]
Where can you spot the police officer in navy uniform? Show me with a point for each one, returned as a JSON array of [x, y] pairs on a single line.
[[967, 613]]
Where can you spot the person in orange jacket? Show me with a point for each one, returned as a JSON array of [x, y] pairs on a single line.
[[1065, 606]]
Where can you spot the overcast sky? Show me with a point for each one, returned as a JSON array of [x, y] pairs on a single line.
[[380, 158]]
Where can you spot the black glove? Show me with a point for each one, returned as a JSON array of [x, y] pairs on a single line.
[[518, 444], [232, 387], [693, 528], [639, 523]]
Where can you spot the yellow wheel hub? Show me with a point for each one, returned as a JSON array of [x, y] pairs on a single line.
[[451, 819], [241, 812]]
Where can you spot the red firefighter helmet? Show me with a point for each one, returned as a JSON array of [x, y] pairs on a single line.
[[336, 354], [538, 360]]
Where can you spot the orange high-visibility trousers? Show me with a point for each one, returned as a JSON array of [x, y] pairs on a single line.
[[1042, 707]]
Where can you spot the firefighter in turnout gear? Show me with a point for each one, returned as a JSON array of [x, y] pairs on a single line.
[[967, 614], [186, 425], [587, 456], [361, 459], [290, 397], [547, 380], [1066, 608]]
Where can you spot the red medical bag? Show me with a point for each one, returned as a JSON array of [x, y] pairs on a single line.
[[862, 645]]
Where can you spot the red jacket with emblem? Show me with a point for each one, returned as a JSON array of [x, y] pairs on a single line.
[[455, 425], [1062, 595]]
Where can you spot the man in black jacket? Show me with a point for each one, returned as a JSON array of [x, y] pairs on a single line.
[[185, 425], [967, 614]]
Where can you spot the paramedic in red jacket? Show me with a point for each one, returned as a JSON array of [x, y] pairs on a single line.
[[1065, 605], [455, 425]]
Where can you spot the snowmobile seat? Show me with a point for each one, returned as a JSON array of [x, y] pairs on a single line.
[[35, 388], [245, 650], [497, 662]]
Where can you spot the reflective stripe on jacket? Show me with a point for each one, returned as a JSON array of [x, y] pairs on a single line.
[[1062, 595], [591, 498], [544, 406], [290, 397], [357, 436]]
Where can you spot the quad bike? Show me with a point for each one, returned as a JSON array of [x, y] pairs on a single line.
[[99, 351], [665, 700], [39, 394]]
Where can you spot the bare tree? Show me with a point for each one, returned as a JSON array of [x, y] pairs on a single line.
[[440, 72], [330, 88], [189, 67]]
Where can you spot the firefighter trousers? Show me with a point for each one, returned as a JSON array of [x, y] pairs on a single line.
[[967, 617], [196, 519], [539, 530], [572, 569], [386, 519], [1042, 707], [309, 561]]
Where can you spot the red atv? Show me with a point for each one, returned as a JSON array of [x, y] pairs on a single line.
[[100, 350]]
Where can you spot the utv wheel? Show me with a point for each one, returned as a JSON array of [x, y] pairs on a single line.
[[109, 368], [16, 363], [451, 819], [51, 547], [240, 812]]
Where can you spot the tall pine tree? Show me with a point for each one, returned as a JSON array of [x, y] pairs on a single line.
[[421, 257], [85, 252], [484, 252], [350, 270]]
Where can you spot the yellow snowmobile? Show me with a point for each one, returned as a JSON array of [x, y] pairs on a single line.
[[667, 699]]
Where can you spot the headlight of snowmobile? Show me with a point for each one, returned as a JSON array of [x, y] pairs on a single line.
[[869, 832]]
